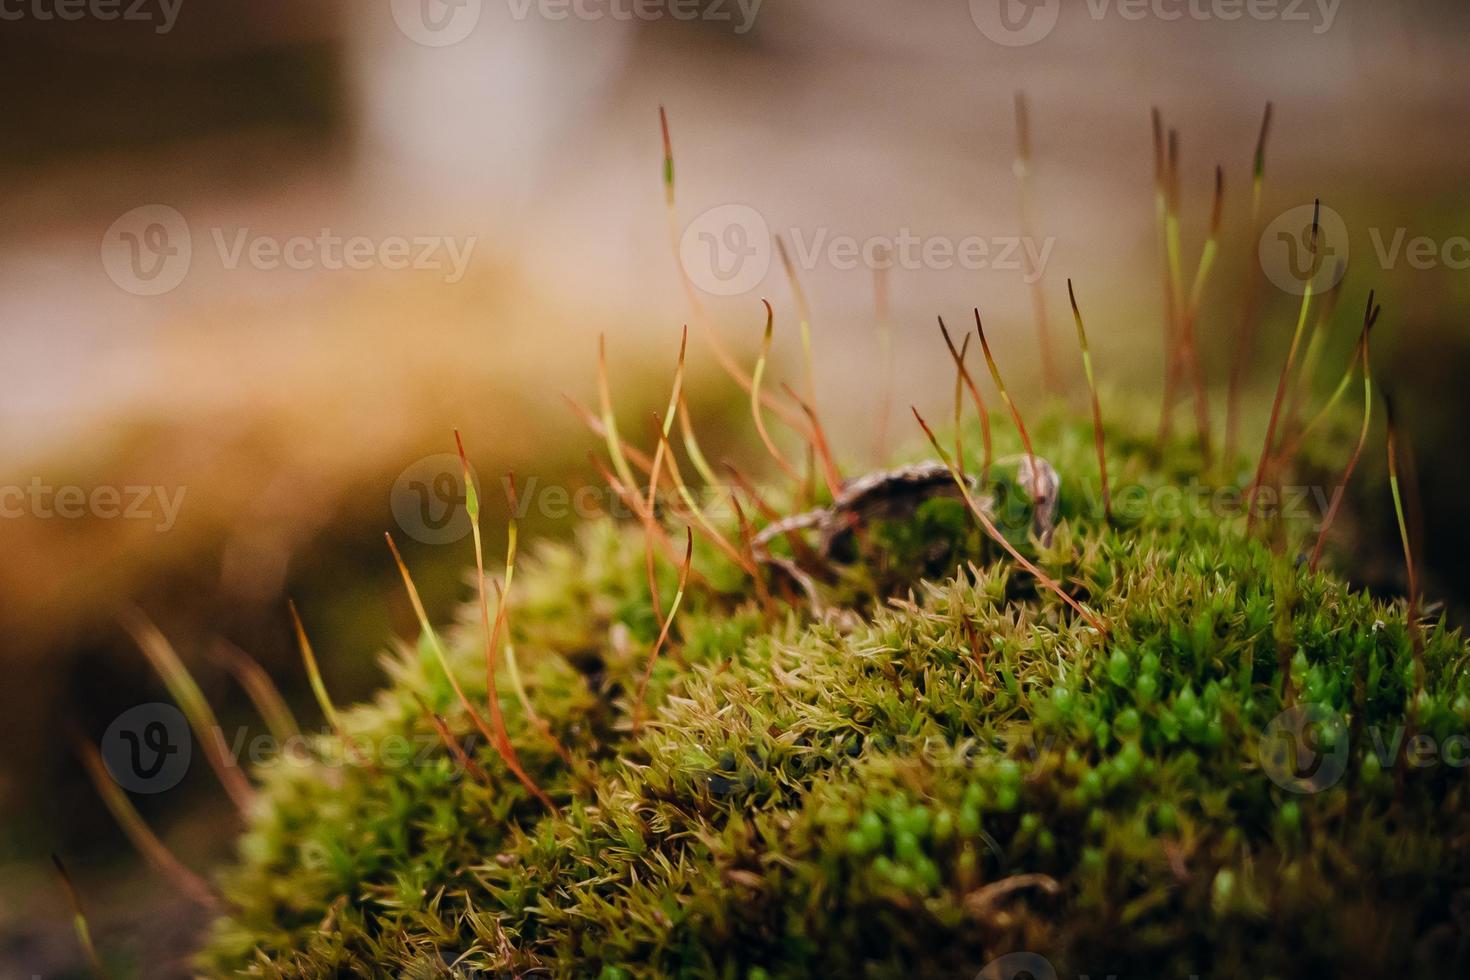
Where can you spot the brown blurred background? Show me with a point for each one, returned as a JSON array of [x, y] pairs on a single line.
[[283, 406]]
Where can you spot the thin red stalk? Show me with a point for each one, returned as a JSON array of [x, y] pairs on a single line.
[[663, 633], [727, 362], [1352, 464], [1097, 424], [959, 362], [1033, 274], [1296, 340], [830, 473], [1246, 335], [755, 396], [1011, 405], [502, 740]]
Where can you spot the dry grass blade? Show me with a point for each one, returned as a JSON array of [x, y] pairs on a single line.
[[1296, 340], [1316, 341], [663, 633], [261, 690], [1097, 424], [881, 261], [428, 630], [1174, 264], [501, 739], [726, 361], [1171, 314], [747, 538], [191, 701], [1294, 443], [1400, 464], [702, 520], [79, 920], [959, 405], [691, 445], [803, 318], [755, 396], [634, 502], [1246, 335], [138, 832], [1000, 539], [1189, 342], [609, 421], [984, 413], [1031, 272], [634, 455], [461, 757], [830, 473], [513, 668], [1010, 405], [319, 690], [1369, 317]]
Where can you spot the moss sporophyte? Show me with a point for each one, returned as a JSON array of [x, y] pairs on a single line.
[[987, 701]]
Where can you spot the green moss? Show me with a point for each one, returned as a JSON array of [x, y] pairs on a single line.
[[909, 787]]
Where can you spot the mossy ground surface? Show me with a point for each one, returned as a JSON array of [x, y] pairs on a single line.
[[954, 770]]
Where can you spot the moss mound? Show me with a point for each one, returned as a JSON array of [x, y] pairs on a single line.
[[947, 767]]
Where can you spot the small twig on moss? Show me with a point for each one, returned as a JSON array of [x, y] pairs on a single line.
[[999, 538]]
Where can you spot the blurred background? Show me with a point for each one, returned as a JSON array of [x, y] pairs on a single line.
[[258, 257]]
